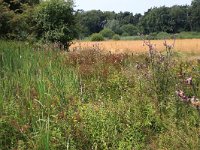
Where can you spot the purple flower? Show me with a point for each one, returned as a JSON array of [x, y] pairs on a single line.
[[189, 81]]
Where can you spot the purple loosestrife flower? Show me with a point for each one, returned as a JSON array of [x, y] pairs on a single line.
[[182, 95], [189, 81], [194, 101]]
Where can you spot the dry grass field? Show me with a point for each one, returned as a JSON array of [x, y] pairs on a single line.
[[184, 45]]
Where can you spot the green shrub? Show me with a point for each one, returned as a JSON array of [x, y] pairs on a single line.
[[14, 21], [152, 36], [130, 29], [188, 35], [97, 37], [116, 37], [114, 25], [9, 136], [163, 35], [107, 33], [125, 34], [55, 22]]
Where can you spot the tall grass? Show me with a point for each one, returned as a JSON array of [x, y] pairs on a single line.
[[92, 100]]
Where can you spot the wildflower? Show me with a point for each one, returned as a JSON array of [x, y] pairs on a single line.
[[195, 102], [189, 81], [182, 95], [194, 99]]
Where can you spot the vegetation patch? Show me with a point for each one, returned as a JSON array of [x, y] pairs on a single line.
[[88, 99]]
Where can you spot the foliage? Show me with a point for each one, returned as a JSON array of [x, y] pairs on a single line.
[[107, 33], [20, 20], [96, 37], [54, 22], [114, 25], [180, 18], [195, 15], [14, 20], [93, 100], [125, 34], [130, 29], [188, 35], [157, 20], [116, 37], [90, 21], [163, 35], [172, 19]]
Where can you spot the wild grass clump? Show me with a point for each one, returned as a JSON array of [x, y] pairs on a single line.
[[92, 100]]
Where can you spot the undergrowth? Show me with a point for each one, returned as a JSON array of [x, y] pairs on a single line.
[[92, 100]]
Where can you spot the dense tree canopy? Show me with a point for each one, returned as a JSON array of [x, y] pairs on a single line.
[[54, 22], [48, 21], [195, 15], [91, 21], [22, 19], [173, 19], [14, 19]]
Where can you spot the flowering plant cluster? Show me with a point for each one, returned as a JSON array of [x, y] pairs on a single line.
[[194, 101]]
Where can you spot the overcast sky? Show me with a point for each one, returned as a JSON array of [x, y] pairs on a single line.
[[134, 6]]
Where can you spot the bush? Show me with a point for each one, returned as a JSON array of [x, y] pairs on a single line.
[[130, 29], [97, 37], [107, 33], [125, 34], [152, 36], [14, 20], [9, 136], [116, 37], [55, 22], [114, 25], [188, 35], [163, 35]]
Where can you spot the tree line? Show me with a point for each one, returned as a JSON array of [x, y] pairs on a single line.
[[57, 21], [173, 19]]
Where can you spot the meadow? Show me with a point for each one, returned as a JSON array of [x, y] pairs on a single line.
[[89, 99], [129, 46]]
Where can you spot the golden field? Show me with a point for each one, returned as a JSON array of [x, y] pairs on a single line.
[[185, 45]]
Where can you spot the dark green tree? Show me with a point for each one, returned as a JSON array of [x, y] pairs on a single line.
[[180, 18], [55, 22], [136, 19], [129, 29], [114, 25], [91, 21], [156, 20], [125, 18], [195, 15], [107, 33], [14, 19]]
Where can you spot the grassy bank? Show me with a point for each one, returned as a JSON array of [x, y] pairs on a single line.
[[158, 36], [90, 100]]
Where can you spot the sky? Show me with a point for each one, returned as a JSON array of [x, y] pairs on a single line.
[[134, 6]]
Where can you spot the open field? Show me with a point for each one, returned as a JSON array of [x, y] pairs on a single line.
[[184, 45], [92, 100]]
